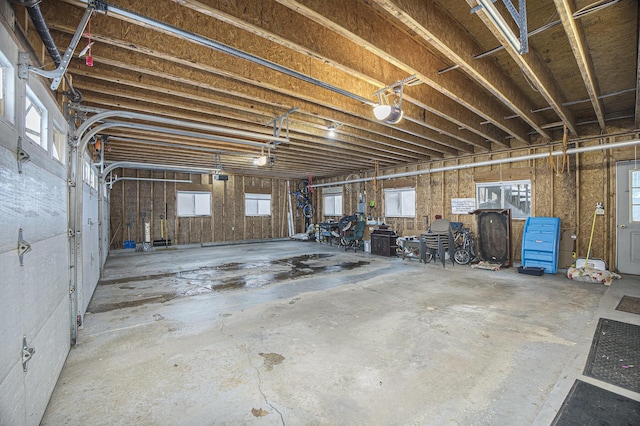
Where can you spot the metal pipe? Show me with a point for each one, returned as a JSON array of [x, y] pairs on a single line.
[[151, 166], [58, 73], [78, 134], [180, 132], [207, 42], [181, 146], [118, 179], [615, 145]]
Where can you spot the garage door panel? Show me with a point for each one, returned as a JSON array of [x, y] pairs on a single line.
[[46, 281], [10, 204], [34, 200], [52, 346], [12, 403], [90, 243], [10, 312]]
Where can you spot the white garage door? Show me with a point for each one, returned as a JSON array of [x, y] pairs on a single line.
[[34, 302]]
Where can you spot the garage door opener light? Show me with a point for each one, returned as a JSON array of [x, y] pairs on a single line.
[[390, 110]]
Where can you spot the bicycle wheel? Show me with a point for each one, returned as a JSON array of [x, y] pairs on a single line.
[[350, 186], [307, 210], [462, 256], [303, 186]]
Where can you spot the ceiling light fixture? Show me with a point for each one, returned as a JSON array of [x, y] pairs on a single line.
[[263, 159], [519, 44], [390, 111], [332, 128]]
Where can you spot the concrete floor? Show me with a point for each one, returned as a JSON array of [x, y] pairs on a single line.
[[302, 333]]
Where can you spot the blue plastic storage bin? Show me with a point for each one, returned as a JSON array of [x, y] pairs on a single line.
[[541, 242]]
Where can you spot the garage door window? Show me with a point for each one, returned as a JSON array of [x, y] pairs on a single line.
[[257, 204], [58, 147], [192, 204], [514, 195], [35, 120], [400, 202], [6, 89]]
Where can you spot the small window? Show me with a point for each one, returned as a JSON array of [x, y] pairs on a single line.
[[86, 172], [400, 202], [332, 201], [257, 204], [635, 195], [35, 119], [194, 203], [6, 89], [3, 87], [58, 148], [514, 195]]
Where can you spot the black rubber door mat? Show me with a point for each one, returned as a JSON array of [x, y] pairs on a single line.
[[587, 404], [629, 304], [615, 354]]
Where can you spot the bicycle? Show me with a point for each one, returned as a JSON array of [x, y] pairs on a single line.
[[303, 201], [466, 247]]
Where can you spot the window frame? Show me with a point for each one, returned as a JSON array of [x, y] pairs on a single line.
[[402, 193], [505, 186], [192, 209], [332, 196], [32, 98], [59, 146], [260, 201], [632, 217], [7, 90]]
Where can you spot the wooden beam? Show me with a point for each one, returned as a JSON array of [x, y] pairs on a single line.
[[438, 29], [532, 65], [575, 35], [167, 48], [432, 132], [363, 27]]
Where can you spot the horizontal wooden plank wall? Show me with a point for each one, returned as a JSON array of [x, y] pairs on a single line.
[[133, 201]]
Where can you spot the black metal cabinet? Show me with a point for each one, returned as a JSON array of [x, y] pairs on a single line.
[[383, 241]]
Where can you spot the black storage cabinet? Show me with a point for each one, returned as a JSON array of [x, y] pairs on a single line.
[[383, 241]]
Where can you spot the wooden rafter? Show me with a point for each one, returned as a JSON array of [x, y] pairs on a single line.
[[574, 32], [532, 65]]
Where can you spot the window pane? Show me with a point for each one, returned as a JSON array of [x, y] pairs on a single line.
[[202, 204], [2, 88], [185, 204], [250, 207], [400, 202], [257, 204], [408, 203], [33, 119], [332, 205], [264, 207], [392, 203], [635, 195], [514, 195], [58, 146]]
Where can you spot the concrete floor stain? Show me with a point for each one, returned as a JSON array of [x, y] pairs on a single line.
[[260, 273], [229, 276], [271, 359]]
